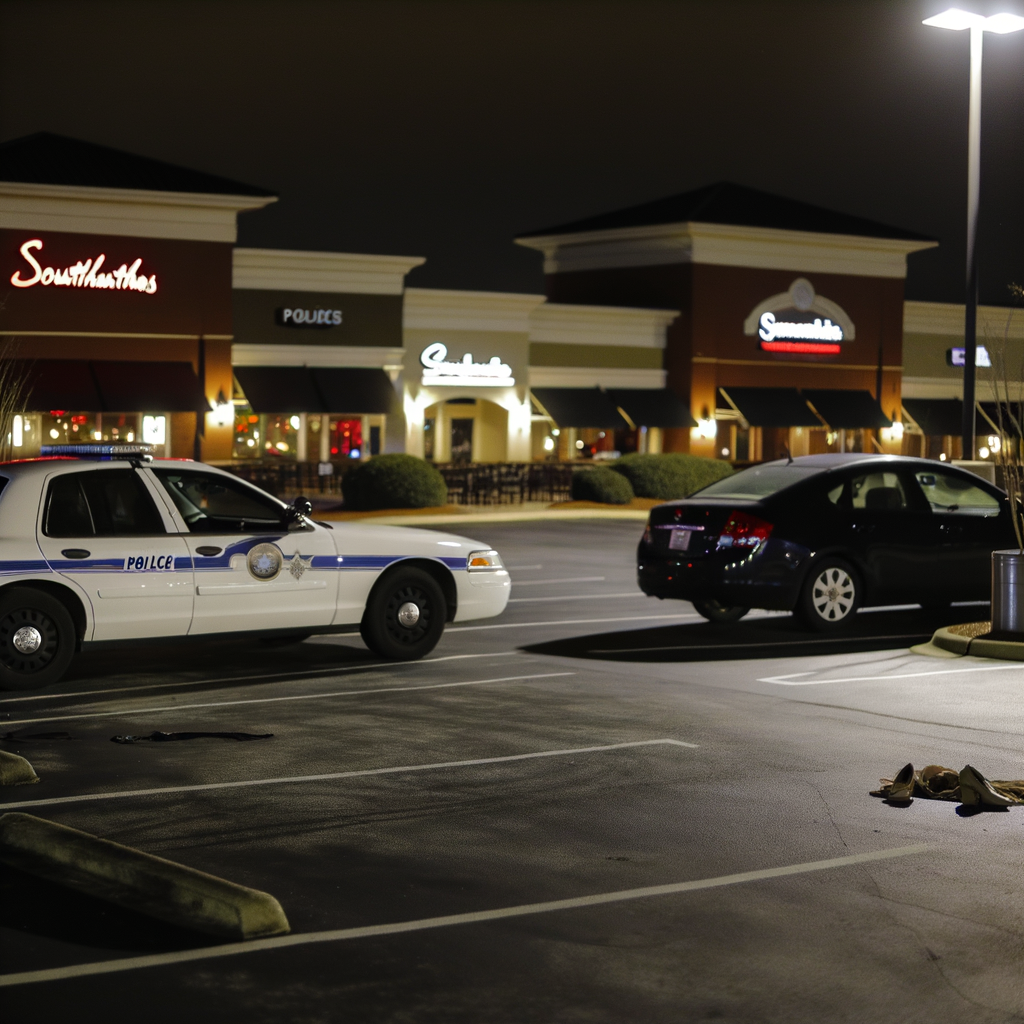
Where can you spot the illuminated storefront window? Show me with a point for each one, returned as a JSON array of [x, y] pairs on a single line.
[[270, 435], [346, 439]]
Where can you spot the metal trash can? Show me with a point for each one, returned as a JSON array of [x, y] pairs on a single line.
[[1008, 592]]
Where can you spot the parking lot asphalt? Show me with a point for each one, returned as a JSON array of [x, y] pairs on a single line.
[[595, 808]]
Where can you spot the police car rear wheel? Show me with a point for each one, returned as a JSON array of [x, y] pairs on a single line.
[[37, 639], [405, 616]]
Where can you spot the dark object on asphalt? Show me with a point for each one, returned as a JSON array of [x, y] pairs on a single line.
[[34, 737], [934, 782], [165, 737], [825, 535]]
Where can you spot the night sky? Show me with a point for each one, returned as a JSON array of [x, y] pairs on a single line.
[[444, 129]]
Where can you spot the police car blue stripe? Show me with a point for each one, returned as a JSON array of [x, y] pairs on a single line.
[[16, 567]]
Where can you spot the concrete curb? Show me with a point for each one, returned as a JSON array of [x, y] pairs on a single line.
[[969, 638], [15, 770], [638, 515], [138, 881]]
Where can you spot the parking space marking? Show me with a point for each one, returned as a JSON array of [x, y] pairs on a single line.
[[575, 622], [522, 568], [549, 583], [278, 676], [791, 680], [574, 597], [771, 643], [332, 776], [275, 700], [451, 920]]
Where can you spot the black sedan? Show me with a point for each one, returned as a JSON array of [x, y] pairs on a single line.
[[824, 535]]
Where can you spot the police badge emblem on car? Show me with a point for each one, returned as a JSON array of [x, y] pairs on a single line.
[[264, 561]]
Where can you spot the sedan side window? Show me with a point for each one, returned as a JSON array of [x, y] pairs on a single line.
[[878, 492], [212, 504], [101, 503], [950, 492]]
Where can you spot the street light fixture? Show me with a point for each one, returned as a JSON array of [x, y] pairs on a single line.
[[1001, 24]]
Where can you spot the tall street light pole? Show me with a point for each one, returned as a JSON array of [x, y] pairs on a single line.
[[958, 20]]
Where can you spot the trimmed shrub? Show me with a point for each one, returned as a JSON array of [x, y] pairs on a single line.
[[668, 476], [393, 481], [601, 484]]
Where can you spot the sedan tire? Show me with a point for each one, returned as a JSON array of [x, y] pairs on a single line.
[[831, 595], [405, 616], [37, 639], [713, 611]]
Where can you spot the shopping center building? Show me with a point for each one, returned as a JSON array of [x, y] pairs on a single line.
[[725, 322]]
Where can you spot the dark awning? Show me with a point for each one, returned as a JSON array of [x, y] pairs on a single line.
[[148, 387], [847, 410], [579, 407], [653, 407], [107, 386], [279, 388], [936, 416], [770, 407], [355, 389]]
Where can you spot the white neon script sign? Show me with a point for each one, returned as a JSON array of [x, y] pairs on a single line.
[[820, 330], [83, 275], [438, 372]]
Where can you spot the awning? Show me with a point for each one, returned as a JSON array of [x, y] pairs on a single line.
[[359, 390], [579, 407], [356, 389], [846, 410], [653, 407], [936, 416], [107, 386], [769, 407], [279, 388]]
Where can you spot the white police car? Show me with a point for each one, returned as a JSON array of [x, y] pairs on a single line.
[[100, 544]]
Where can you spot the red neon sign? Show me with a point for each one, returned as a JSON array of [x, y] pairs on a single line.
[[83, 275], [808, 347]]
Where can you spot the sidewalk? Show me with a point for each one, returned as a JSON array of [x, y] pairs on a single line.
[[526, 511]]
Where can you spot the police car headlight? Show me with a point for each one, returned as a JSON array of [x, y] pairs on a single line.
[[484, 561]]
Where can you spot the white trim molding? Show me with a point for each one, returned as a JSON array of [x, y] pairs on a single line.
[[802, 296], [936, 387], [438, 309], [947, 318], [725, 245], [136, 213], [594, 377], [334, 272], [600, 325], [318, 355]]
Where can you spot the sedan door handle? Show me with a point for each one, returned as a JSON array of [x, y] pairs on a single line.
[[951, 529], [863, 527], [208, 549], [76, 553]]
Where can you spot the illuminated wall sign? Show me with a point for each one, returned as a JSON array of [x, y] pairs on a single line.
[[437, 372], [787, 322], [958, 357], [82, 275], [308, 317]]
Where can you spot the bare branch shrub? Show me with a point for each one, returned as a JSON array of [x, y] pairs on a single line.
[[1008, 388], [13, 395]]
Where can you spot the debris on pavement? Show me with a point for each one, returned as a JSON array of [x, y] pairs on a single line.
[[164, 737], [935, 782]]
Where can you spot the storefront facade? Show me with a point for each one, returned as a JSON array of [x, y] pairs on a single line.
[[117, 303], [789, 333]]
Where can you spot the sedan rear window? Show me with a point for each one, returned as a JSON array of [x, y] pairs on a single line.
[[758, 482], [949, 492]]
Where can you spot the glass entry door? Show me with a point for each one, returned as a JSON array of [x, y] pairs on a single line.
[[462, 440]]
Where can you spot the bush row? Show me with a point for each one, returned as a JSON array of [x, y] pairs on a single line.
[[665, 477]]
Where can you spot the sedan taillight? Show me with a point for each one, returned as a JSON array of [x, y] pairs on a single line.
[[744, 531]]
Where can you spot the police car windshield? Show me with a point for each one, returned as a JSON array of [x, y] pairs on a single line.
[[210, 503], [757, 482]]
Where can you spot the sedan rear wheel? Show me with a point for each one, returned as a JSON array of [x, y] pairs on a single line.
[[831, 595], [715, 611], [37, 639]]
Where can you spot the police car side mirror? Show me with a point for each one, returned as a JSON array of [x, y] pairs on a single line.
[[298, 508]]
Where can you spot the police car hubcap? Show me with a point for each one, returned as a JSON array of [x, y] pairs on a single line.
[[27, 640], [409, 614]]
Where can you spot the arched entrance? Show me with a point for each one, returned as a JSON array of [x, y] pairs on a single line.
[[465, 430]]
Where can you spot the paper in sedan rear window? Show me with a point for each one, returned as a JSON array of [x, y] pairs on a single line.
[[757, 482]]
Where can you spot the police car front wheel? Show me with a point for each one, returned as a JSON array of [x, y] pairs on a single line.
[[37, 639], [405, 616]]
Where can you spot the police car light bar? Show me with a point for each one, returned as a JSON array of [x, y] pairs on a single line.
[[98, 451]]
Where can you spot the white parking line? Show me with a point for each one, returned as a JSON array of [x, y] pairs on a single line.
[[791, 679], [574, 597], [548, 583], [88, 797], [474, 917], [522, 568], [734, 647], [275, 700], [575, 622], [324, 672]]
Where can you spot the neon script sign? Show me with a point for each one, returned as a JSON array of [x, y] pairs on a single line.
[[438, 372], [820, 336], [82, 275]]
